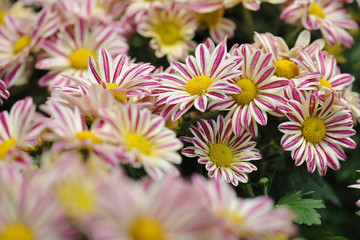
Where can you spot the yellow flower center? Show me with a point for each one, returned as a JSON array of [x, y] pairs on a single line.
[[233, 216], [173, 125], [316, 10], [168, 32], [77, 197], [324, 83], [16, 231], [139, 142], [2, 17], [85, 135], [210, 19], [220, 154], [35, 147], [198, 85], [147, 229], [80, 57], [22, 43], [286, 68], [119, 94], [248, 91], [313, 129], [6, 146]]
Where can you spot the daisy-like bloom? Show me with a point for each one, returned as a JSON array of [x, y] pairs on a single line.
[[166, 209], [171, 28], [68, 52], [248, 219], [16, 9], [27, 210], [19, 130], [261, 92], [148, 142], [225, 155], [203, 77], [3, 92], [68, 128], [17, 41], [74, 184], [125, 80], [330, 77], [90, 104], [328, 16], [316, 132], [210, 15], [285, 59]]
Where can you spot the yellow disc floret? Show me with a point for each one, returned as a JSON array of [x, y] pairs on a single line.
[[316, 10], [147, 229], [198, 85], [324, 83], [16, 231], [210, 19], [76, 196], [313, 130], [80, 57], [221, 155], [119, 94], [6, 146], [2, 17], [87, 135], [22, 43], [286, 68], [232, 215], [168, 33], [248, 91], [139, 142]]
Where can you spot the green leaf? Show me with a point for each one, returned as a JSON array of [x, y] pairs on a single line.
[[318, 234], [303, 207]]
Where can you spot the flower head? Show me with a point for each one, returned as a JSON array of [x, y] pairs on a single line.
[[203, 78], [225, 155], [261, 92], [316, 132], [68, 52], [147, 141]]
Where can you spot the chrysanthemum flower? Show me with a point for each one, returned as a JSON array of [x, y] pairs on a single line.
[[19, 130], [17, 9], [166, 209], [202, 78], [225, 155], [68, 128], [68, 52], [125, 80], [330, 77], [316, 132], [328, 16], [18, 41], [148, 142], [171, 29], [27, 211], [253, 218], [210, 15], [285, 59], [261, 92]]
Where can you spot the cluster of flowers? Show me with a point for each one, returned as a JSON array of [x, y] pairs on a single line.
[[71, 200], [107, 111], [64, 34]]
